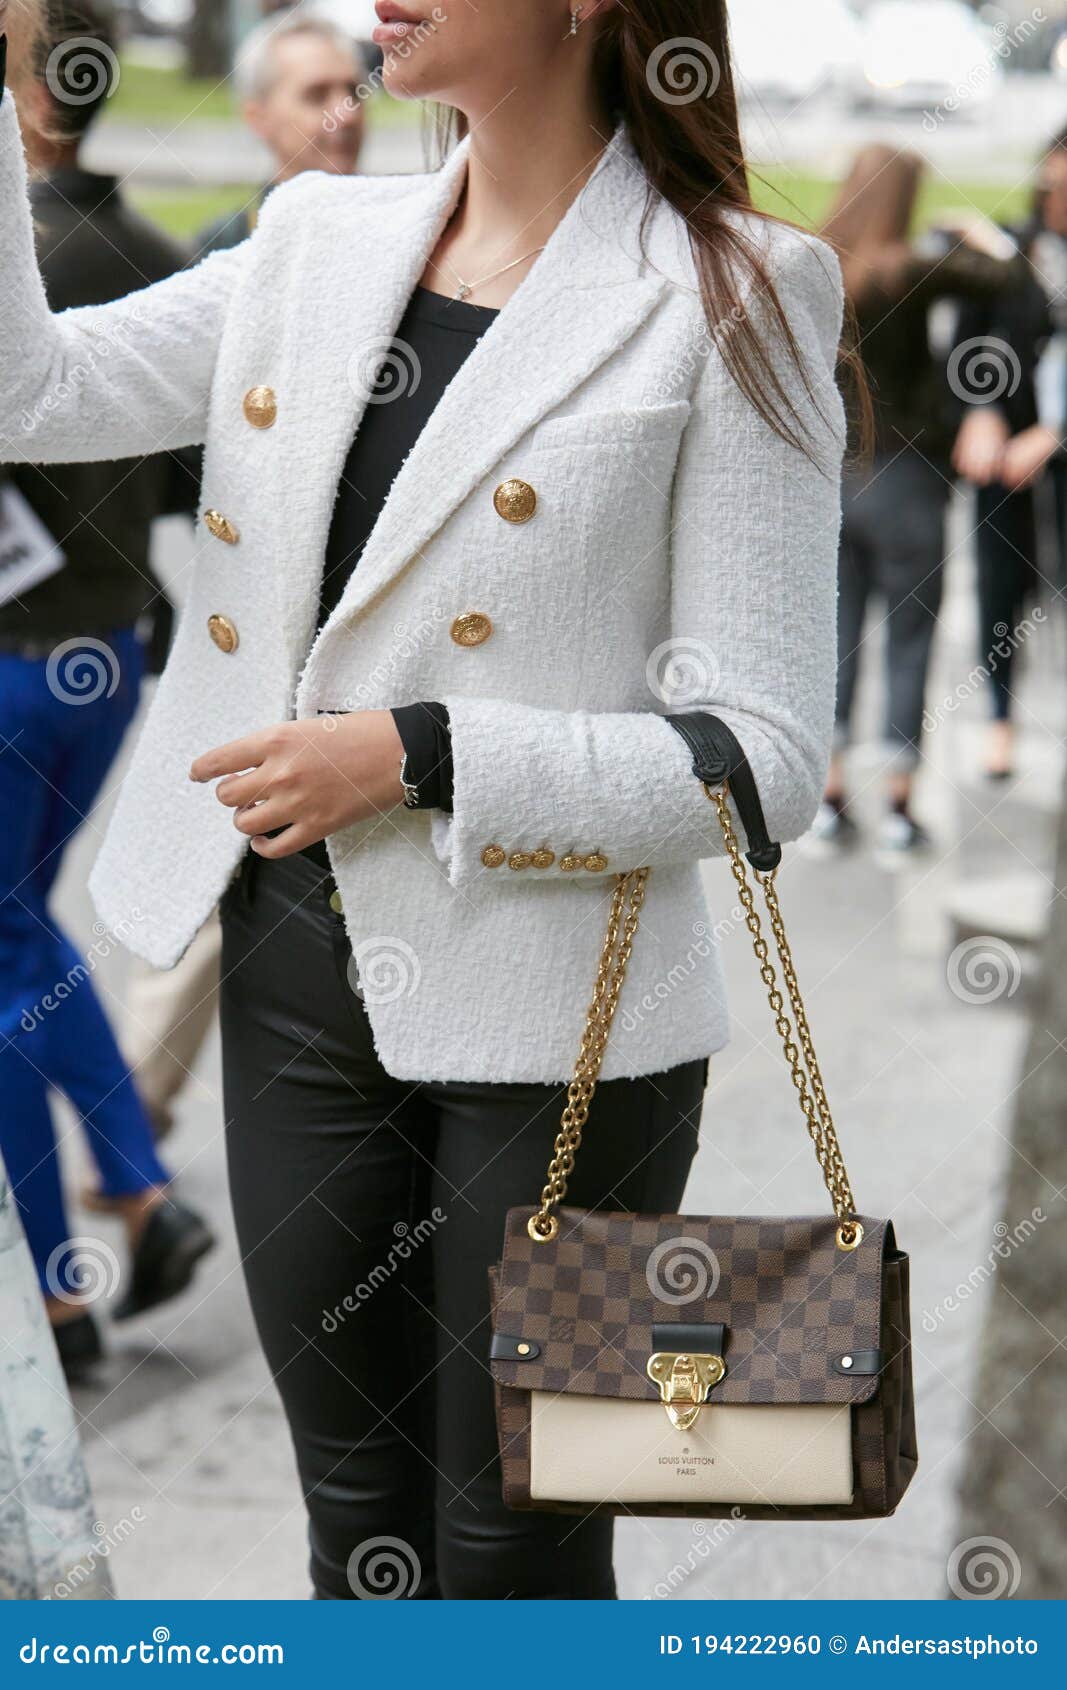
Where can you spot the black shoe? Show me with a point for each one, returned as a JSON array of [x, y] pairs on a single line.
[[162, 1265], [79, 1346]]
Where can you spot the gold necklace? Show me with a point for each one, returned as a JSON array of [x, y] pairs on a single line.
[[467, 288]]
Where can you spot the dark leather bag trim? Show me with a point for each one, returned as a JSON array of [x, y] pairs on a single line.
[[718, 756], [506, 1348], [865, 1363], [685, 1337]]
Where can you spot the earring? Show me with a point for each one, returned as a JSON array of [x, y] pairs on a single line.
[[576, 15]]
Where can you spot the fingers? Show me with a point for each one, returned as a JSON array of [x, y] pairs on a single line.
[[238, 791], [231, 759], [255, 819], [287, 844]]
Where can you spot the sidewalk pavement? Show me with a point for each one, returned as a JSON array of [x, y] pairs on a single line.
[[186, 1443]]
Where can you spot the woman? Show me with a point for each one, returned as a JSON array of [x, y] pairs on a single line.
[[893, 534], [596, 478], [1012, 430]]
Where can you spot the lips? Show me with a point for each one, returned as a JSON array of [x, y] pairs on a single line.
[[391, 15]]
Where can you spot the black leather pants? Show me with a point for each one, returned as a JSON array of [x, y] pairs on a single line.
[[368, 1210]]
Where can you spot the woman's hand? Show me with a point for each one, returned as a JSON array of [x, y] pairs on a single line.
[[1026, 455], [980, 446], [309, 777]]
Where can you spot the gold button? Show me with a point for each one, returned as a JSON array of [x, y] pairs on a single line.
[[522, 1349], [223, 632], [596, 863], [515, 500], [471, 629], [544, 858], [520, 859], [221, 527], [493, 856], [336, 904], [261, 407], [569, 864]]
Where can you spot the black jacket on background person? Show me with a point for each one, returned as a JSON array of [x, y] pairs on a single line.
[[92, 248], [913, 400], [1006, 333]]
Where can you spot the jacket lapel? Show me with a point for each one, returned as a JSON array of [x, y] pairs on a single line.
[[581, 300], [361, 267]]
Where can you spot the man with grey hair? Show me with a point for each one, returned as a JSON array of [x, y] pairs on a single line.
[[299, 78]]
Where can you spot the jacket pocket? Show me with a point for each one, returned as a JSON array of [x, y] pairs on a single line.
[[635, 426]]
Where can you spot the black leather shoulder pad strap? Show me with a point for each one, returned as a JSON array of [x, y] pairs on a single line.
[[718, 756]]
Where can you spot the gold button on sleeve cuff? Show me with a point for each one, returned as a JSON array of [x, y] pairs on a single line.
[[543, 858], [520, 859], [569, 863], [596, 862], [493, 856]]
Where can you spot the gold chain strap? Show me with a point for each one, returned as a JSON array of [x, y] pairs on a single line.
[[803, 1064]]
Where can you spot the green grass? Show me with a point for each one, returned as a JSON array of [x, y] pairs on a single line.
[[806, 198], [802, 198], [152, 94], [183, 212]]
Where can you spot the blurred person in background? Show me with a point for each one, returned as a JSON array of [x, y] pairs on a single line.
[[73, 598], [1011, 434], [299, 80], [893, 531]]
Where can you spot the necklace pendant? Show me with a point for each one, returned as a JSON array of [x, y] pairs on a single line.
[[464, 290]]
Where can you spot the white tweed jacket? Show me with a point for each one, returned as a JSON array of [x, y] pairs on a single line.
[[680, 555]]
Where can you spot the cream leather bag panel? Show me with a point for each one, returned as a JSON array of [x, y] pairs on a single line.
[[735, 1453]]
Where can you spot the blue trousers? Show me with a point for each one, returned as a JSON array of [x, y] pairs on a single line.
[[62, 720]]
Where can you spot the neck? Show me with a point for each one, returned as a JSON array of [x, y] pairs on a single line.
[[528, 160], [46, 156]]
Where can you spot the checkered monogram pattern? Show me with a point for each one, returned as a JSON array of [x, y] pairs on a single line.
[[793, 1305]]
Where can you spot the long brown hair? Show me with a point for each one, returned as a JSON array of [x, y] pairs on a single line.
[[691, 151], [24, 20], [870, 221]]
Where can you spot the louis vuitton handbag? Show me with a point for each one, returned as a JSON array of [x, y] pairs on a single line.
[[777, 1382]]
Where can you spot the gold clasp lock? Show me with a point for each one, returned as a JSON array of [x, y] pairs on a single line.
[[684, 1382]]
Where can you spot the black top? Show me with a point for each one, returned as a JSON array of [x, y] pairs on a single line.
[[91, 248], [432, 341], [434, 338]]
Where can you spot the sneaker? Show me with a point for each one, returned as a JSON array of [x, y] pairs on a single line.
[[833, 830], [900, 837]]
